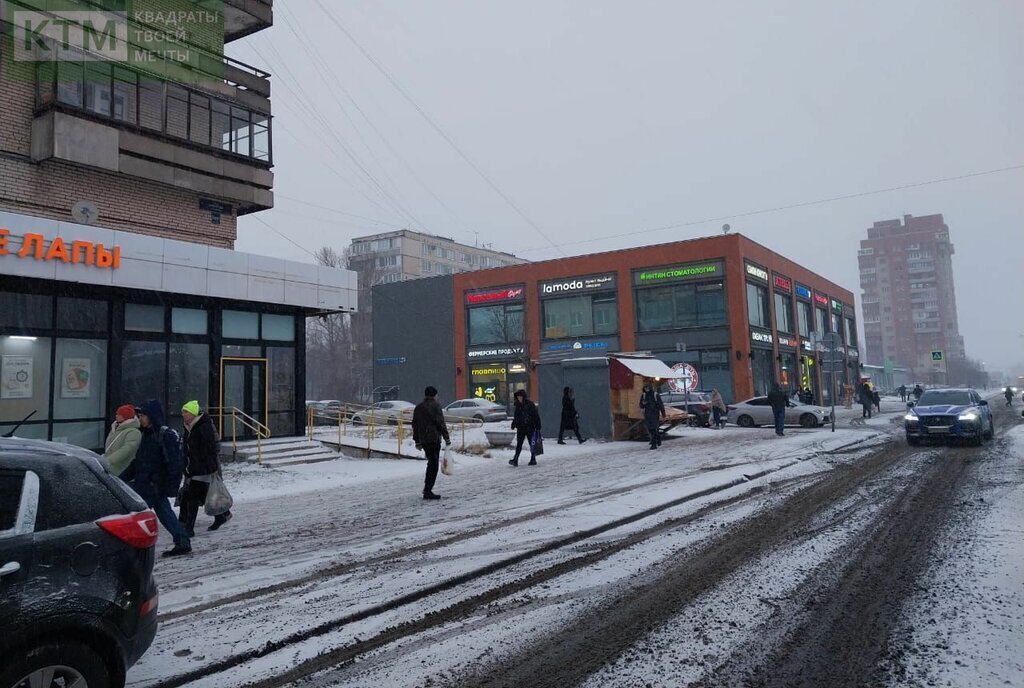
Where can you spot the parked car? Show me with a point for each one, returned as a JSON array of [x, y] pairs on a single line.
[[699, 407], [757, 411], [385, 412], [946, 414], [78, 603], [479, 409]]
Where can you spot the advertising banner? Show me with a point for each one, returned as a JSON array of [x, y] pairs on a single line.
[[16, 377], [75, 379]]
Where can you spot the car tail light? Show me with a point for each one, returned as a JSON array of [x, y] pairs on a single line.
[[705, 407], [149, 605], [138, 530]]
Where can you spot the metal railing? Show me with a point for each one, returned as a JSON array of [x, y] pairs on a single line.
[[240, 418], [351, 420]]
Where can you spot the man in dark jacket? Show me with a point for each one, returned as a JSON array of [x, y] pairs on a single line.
[[428, 427], [778, 400], [903, 393], [570, 417], [155, 474], [654, 412], [202, 463], [526, 423], [918, 391]]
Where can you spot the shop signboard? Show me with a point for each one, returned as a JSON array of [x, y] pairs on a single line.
[[689, 380], [803, 292], [69, 250], [760, 337], [820, 299], [677, 273], [837, 305], [75, 380], [390, 360], [493, 295], [576, 285], [783, 283], [16, 377], [787, 341], [757, 272], [577, 346], [496, 352]]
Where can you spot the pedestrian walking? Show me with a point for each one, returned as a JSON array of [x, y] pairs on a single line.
[[526, 423], [156, 472], [903, 393], [202, 464], [876, 399], [654, 412], [718, 409], [428, 429], [570, 416], [778, 400], [123, 440], [1009, 396], [918, 391], [866, 401]]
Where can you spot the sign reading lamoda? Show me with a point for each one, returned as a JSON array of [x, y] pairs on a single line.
[[570, 285], [502, 294], [74, 252], [679, 272], [172, 39]]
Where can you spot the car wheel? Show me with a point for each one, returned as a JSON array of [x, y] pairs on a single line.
[[808, 421], [978, 439], [991, 430], [745, 421], [63, 664], [479, 417], [913, 441]]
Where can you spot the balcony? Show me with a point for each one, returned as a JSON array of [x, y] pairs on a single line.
[[245, 17]]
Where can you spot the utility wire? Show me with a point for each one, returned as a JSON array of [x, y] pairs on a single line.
[[283, 235], [448, 139]]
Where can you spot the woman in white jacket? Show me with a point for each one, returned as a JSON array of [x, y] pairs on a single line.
[[123, 440]]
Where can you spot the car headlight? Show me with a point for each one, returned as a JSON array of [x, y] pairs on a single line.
[[910, 418], [970, 415]]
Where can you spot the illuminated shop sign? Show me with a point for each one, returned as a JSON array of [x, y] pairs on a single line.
[[393, 360], [71, 251], [819, 299], [577, 284], [787, 341], [678, 272], [757, 272], [803, 292], [496, 351], [487, 371], [517, 368], [836, 305], [503, 294], [762, 337], [806, 345], [783, 283], [577, 346]]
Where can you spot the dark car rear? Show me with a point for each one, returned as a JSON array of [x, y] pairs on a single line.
[[699, 406], [77, 596]]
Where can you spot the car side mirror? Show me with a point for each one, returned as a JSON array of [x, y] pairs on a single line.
[[910, 404], [982, 403]]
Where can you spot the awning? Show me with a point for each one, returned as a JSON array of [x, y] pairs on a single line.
[[649, 367]]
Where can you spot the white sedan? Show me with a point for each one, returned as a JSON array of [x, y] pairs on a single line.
[[757, 411], [385, 412], [476, 408]]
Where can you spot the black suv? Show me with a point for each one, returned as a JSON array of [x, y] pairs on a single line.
[[77, 596]]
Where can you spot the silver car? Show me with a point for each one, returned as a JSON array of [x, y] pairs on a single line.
[[757, 411], [383, 412], [479, 409]]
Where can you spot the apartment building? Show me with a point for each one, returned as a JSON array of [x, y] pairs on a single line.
[[908, 294]]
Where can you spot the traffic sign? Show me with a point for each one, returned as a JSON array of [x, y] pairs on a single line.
[[938, 356]]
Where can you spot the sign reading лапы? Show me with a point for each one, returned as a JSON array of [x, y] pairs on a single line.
[[712, 269]]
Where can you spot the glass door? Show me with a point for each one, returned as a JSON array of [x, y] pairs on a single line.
[[243, 386]]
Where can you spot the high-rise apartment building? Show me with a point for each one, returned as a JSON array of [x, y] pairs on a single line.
[[909, 301]]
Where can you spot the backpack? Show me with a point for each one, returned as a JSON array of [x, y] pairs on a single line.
[[174, 460]]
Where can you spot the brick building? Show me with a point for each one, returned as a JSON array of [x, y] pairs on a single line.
[[908, 294]]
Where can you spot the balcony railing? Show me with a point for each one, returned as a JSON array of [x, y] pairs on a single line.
[[121, 95]]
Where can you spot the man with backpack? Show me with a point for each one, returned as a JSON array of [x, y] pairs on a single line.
[[156, 472]]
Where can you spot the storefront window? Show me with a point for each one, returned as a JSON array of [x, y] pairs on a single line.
[[758, 309], [804, 314], [240, 325], [142, 318], [488, 382], [80, 382], [684, 305], [821, 321], [90, 435], [606, 315], [763, 369], [143, 371], [279, 328], [24, 378], [783, 312], [282, 378], [836, 326], [25, 310], [496, 324], [188, 375], [789, 376], [82, 315], [851, 332], [188, 321], [580, 316]]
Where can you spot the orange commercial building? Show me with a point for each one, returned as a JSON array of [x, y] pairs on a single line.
[[731, 312]]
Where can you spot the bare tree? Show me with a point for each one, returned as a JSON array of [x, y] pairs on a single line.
[[329, 345]]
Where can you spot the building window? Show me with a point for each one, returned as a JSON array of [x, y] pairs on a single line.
[[82, 315], [240, 325], [143, 371], [25, 310], [496, 324], [142, 318], [279, 328], [679, 306], [836, 326], [189, 375], [580, 316], [783, 312], [188, 321], [758, 310], [820, 321], [804, 314], [851, 332]]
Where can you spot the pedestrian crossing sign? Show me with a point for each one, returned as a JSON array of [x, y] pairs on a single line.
[[937, 357]]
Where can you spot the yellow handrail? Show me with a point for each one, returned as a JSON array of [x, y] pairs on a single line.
[[261, 431]]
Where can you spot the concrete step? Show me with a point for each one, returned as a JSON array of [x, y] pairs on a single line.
[[280, 448], [253, 457], [311, 458]]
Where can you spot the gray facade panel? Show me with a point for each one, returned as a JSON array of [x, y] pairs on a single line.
[[694, 339], [589, 380], [413, 340]]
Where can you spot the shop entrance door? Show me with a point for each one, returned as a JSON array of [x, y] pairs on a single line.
[[243, 386]]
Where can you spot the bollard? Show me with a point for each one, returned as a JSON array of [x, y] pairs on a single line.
[[340, 424], [463, 448], [399, 436], [369, 436]]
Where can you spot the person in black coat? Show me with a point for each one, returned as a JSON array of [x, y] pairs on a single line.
[[778, 400], [654, 412], [570, 417], [202, 463], [428, 428], [526, 423], [156, 472]]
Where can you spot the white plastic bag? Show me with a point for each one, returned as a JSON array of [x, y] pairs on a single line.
[[218, 499], [448, 461]]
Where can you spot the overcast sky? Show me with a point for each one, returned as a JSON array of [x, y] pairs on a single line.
[[603, 120]]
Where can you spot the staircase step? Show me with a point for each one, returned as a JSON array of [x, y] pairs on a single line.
[[305, 451], [312, 458], [280, 448]]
